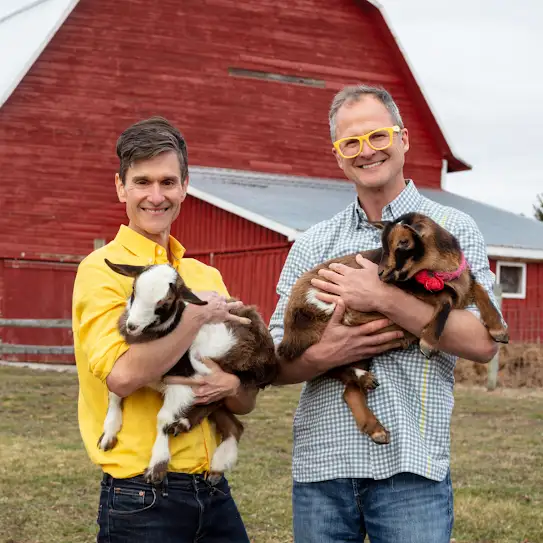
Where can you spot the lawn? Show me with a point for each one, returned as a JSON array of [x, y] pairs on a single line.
[[49, 489]]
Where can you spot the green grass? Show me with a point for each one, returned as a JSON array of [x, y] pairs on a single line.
[[49, 488]]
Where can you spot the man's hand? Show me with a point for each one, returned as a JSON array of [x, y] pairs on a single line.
[[342, 344], [360, 289], [216, 310], [209, 388]]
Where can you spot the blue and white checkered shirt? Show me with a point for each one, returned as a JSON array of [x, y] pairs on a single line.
[[415, 398]]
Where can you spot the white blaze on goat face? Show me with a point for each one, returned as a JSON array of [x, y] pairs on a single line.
[[151, 287]]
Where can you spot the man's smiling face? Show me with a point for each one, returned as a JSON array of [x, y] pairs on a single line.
[[153, 193], [370, 169]]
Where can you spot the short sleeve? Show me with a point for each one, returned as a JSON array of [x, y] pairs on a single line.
[[99, 301]]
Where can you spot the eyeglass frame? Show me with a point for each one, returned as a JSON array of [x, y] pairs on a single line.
[[366, 138]]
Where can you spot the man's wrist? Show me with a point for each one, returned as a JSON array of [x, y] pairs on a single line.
[[385, 299]]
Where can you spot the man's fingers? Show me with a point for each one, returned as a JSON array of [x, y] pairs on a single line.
[[379, 349], [374, 326], [330, 274], [234, 305], [331, 288], [339, 310], [241, 320], [382, 339], [211, 364], [328, 298], [339, 268]]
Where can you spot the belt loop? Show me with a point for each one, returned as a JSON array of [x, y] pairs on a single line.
[[165, 486]]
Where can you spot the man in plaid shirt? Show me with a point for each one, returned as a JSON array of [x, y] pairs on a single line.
[[345, 486]]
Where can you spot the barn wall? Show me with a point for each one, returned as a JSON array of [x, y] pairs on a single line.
[[113, 63], [525, 317]]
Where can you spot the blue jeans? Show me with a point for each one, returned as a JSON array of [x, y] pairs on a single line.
[[183, 509], [405, 508]]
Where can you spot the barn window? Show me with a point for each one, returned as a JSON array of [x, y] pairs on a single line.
[[512, 279]]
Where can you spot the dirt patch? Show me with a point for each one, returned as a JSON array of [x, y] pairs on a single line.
[[520, 365]]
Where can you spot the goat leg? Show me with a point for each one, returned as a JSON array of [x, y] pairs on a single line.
[[226, 454], [191, 419], [366, 421], [489, 315], [431, 333]]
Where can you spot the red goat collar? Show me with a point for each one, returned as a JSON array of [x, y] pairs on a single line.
[[435, 281]]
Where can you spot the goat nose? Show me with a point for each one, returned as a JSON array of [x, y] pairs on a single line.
[[130, 327]]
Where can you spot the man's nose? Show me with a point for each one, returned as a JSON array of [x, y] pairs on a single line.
[[155, 196], [366, 151]]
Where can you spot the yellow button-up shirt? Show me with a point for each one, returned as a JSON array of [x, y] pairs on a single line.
[[99, 298]]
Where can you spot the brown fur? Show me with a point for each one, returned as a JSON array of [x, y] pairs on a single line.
[[410, 244]]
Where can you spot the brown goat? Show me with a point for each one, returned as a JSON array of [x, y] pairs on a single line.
[[421, 258]]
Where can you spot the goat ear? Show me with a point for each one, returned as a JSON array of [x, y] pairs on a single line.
[[380, 225], [188, 296], [417, 229], [125, 269]]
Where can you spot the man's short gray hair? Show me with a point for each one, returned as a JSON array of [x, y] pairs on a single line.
[[354, 93]]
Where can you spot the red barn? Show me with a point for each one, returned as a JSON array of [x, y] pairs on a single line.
[[249, 84]]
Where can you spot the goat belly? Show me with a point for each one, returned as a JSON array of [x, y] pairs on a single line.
[[182, 368], [213, 341]]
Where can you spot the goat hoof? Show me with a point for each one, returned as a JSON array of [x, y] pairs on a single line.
[[155, 474], [214, 477], [381, 437], [106, 444], [500, 335], [368, 381], [426, 349], [178, 427]]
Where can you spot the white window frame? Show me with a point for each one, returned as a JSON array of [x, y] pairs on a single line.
[[520, 295]]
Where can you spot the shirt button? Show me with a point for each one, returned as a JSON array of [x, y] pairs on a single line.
[[160, 251], [150, 261]]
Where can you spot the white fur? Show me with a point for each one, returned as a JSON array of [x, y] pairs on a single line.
[[177, 400], [225, 456], [359, 373], [213, 341], [113, 421], [151, 287], [311, 298]]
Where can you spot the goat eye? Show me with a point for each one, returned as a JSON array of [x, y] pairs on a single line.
[[403, 244]]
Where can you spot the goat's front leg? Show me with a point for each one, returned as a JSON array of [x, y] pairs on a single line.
[[177, 401], [490, 315], [431, 333], [193, 417], [226, 454], [112, 422]]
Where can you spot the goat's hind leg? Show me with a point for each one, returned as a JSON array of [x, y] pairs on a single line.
[[177, 400], [226, 454], [489, 315], [112, 422]]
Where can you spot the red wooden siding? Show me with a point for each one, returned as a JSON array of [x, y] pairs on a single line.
[[525, 317], [98, 75], [203, 228], [37, 290]]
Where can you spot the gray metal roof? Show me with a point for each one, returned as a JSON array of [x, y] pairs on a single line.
[[298, 203]]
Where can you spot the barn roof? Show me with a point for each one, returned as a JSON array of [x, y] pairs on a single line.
[[39, 20], [26, 27], [290, 205]]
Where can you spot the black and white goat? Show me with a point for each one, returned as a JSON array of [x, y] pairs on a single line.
[[243, 347]]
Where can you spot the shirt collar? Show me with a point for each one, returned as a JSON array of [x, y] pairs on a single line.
[[149, 250], [408, 200]]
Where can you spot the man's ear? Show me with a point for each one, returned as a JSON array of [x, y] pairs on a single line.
[[405, 140], [121, 190]]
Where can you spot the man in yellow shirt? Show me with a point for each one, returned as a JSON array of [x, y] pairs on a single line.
[[152, 183]]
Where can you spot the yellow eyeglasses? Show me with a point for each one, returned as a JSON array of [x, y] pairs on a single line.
[[378, 139]]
